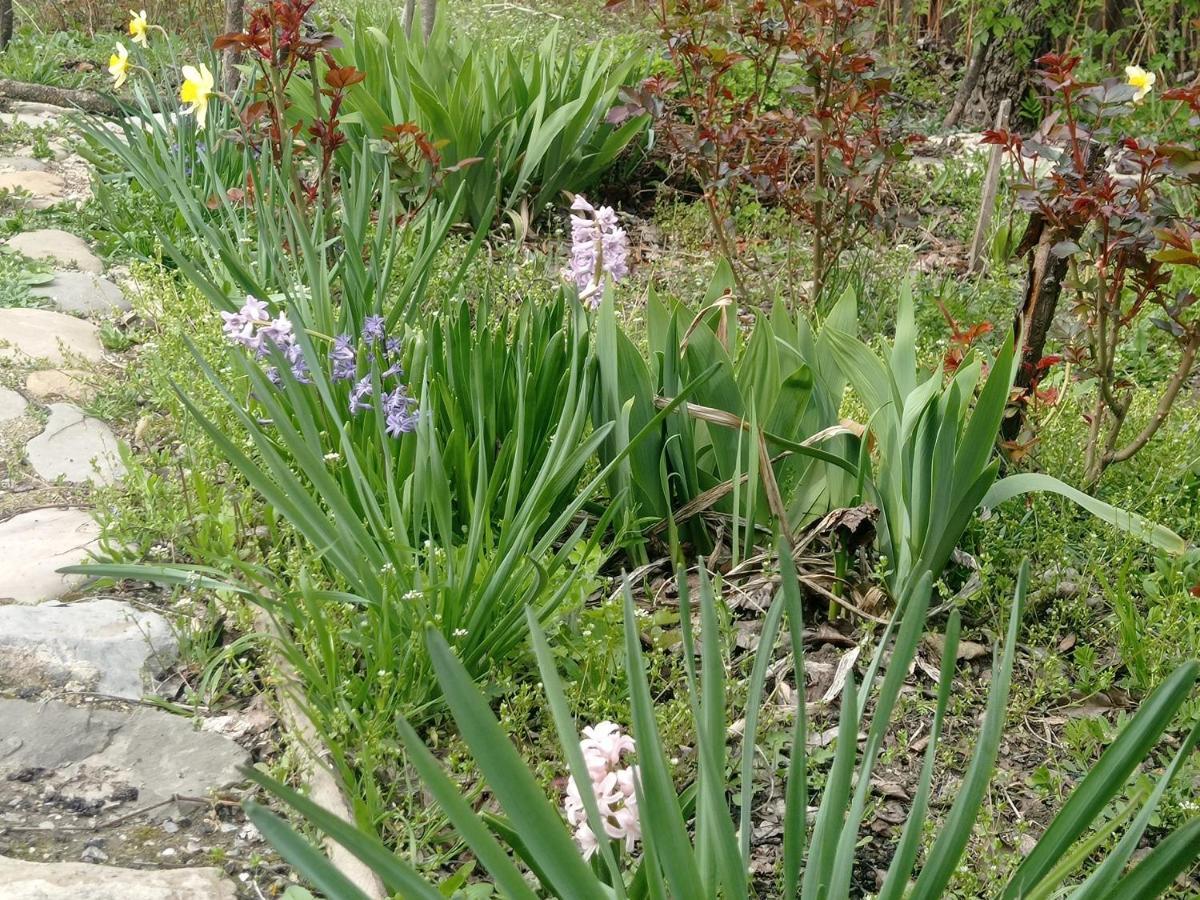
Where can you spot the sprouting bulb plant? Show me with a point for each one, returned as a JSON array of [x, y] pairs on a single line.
[[139, 28], [599, 250], [253, 328], [614, 786]]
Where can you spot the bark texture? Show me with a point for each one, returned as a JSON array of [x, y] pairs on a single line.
[[1006, 69], [1043, 287], [235, 20], [6, 23], [89, 101], [428, 17]]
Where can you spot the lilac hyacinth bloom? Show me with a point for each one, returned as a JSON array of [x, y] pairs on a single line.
[[294, 354], [400, 412], [358, 393], [343, 358], [240, 327], [373, 329], [278, 333], [599, 249]]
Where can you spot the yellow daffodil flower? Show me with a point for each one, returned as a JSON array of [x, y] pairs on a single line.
[[197, 88], [118, 66], [1140, 79], [139, 28]]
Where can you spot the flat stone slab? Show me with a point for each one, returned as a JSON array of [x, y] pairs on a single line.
[[27, 334], [82, 292], [35, 115], [71, 384], [58, 246], [102, 758], [21, 164], [76, 448], [63, 881], [35, 544], [12, 404], [100, 645], [42, 189]]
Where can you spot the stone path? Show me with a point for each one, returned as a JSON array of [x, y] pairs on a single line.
[[81, 751]]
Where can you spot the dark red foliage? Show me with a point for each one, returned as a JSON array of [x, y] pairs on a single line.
[[284, 45], [1120, 197], [782, 98]]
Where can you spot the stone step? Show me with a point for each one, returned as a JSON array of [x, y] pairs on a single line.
[[83, 293], [100, 645], [37, 190], [35, 544], [23, 880], [75, 447], [12, 404], [89, 760], [70, 384], [30, 334], [57, 246]]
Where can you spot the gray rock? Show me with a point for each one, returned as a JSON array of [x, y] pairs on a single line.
[[99, 645], [28, 334], [100, 758], [33, 114], [38, 190], [58, 246], [12, 404], [82, 292], [93, 855], [76, 448], [73, 384], [66, 881], [21, 164], [34, 544]]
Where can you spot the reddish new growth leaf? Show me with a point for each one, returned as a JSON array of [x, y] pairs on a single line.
[[340, 78]]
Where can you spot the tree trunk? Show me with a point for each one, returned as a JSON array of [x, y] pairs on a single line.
[[6, 23], [1043, 287], [428, 15], [967, 87], [68, 98], [410, 8], [1004, 70], [235, 20]]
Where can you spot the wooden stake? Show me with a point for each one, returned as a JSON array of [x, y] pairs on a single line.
[[991, 184]]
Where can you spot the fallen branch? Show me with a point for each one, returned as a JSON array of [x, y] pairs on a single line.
[[69, 98]]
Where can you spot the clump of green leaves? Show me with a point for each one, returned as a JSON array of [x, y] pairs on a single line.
[[694, 847], [518, 126]]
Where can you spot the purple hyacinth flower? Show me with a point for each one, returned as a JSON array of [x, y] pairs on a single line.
[[599, 249], [400, 412], [278, 333], [343, 358], [360, 391], [295, 356], [373, 329]]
